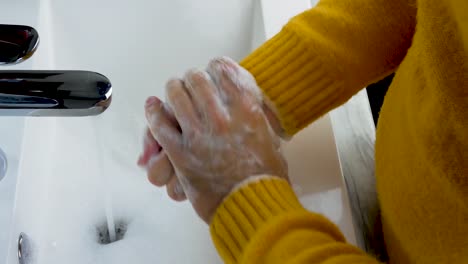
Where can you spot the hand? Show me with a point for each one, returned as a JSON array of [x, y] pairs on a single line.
[[160, 171], [223, 138], [158, 167]]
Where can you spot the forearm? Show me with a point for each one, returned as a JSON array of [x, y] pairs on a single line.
[[263, 222], [325, 55]]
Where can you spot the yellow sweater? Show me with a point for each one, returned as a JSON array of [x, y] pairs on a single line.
[[316, 63]]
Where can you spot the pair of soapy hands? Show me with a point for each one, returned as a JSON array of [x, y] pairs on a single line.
[[213, 132]]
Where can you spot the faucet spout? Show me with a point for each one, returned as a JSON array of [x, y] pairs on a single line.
[[53, 93], [17, 43], [45, 93]]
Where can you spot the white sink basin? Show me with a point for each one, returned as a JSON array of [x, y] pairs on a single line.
[[11, 130], [138, 45]]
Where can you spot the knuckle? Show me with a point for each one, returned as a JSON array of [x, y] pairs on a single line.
[[215, 64], [153, 107], [197, 77], [170, 192], [192, 135], [178, 190], [227, 60], [222, 62], [215, 71], [218, 68], [173, 82], [155, 181], [153, 116], [173, 88], [158, 178], [173, 191]]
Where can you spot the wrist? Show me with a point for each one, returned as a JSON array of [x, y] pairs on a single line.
[[252, 205], [251, 180]]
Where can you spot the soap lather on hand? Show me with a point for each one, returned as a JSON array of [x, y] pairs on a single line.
[[211, 135]]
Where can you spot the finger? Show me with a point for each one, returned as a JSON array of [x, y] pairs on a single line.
[[240, 89], [171, 116], [233, 81], [150, 148], [182, 105], [206, 97], [219, 73], [163, 129], [160, 169], [175, 191]]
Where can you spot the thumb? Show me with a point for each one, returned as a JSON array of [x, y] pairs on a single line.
[[274, 121]]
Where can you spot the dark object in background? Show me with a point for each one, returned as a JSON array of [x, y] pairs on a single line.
[[376, 93], [17, 43]]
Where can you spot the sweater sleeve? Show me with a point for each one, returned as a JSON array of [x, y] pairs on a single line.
[[327, 54], [263, 222]]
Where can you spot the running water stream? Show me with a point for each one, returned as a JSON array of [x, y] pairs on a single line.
[[109, 213], [106, 181]]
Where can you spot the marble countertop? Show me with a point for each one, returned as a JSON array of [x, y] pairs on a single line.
[[354, 132]]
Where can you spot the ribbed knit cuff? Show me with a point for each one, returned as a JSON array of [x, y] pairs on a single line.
[[246, 210], [293, 79]]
